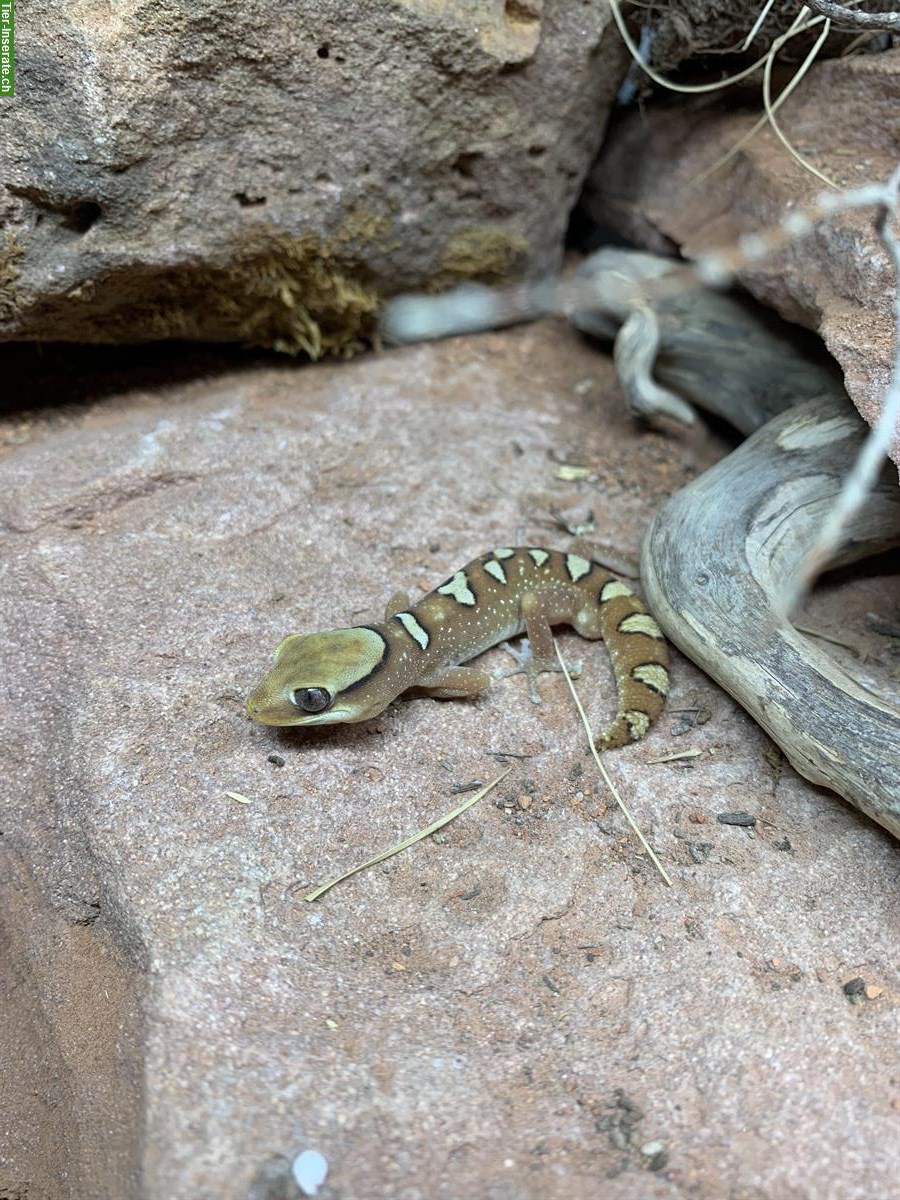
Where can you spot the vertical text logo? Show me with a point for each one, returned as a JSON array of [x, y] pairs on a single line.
[[7, 49]]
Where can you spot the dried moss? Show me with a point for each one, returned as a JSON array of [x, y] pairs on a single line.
[[298, 294], [359, 228], [295, 294], [10, 253], [483, 253], [278, 291]]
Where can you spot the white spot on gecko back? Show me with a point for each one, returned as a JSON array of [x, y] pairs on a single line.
[[414, 628], [654, 676], [577, 567], [640, 623], [638, 724], [614, 588], [458, 588]]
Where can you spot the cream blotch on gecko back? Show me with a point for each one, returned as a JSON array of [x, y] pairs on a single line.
[[352, 674]]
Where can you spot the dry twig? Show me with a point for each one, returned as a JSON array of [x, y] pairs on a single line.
[[609, 783], [407, 842], [852, 18]]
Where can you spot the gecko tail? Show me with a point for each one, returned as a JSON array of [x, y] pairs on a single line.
[[640, 662]]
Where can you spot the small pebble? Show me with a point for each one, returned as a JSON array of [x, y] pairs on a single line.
[[524, 802], [873, 991], [854, 990], [743, 819], [700, 851], [651, 1149], [310, 1171], [276, 760]]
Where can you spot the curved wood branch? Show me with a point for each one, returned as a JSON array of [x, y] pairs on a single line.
[[852, 18], [720, 558]]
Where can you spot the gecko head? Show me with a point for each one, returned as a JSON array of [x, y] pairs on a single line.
[[323, 679]]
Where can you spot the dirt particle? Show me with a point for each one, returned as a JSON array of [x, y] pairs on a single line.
[[471, 894], [743, 819], [620, 1121], [458, 789], [774, 758], [656, 1152], [700, 851], [855, 990], [690, 718]]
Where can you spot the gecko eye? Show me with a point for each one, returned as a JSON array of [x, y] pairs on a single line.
[[311, 700]]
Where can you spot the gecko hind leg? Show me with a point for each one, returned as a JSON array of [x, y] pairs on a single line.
[[537, 653], [528, 666]]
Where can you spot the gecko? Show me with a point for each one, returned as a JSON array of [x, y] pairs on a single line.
[[348, 675]]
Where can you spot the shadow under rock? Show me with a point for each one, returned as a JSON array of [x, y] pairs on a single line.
[[57, 374]]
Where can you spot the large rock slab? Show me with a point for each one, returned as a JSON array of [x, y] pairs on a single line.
[[264, 178], [839, 281], [518, 1008]]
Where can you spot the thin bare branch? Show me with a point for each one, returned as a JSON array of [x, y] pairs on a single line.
[[851, 18]]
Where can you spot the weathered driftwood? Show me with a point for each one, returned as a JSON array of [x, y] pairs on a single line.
[[686, 344], [675, 342], [716, 564]]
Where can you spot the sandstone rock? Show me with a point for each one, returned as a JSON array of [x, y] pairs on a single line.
[[839, 281], [514, 1010], [264, 174]]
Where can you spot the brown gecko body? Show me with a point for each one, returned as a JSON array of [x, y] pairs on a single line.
[[353, 674]]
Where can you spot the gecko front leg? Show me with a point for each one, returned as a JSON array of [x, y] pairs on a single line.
[[454, 683], [398, 603]]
